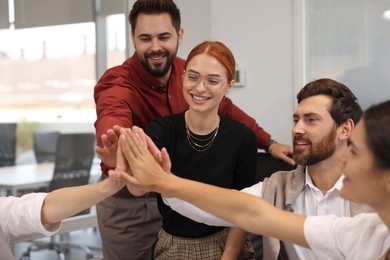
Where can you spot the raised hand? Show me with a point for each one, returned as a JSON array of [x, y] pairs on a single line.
[[108, 152], [123, 167], [281, 151], [161, 156], [145, 169], [115, 182]]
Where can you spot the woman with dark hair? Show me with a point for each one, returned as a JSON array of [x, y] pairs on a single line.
[[367, 180]]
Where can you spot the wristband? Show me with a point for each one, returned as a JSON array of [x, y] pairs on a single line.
[[268, 144]]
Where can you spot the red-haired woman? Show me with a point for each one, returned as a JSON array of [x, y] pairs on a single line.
[[206, 147]]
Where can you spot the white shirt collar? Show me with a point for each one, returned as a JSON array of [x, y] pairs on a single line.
[[309, 182]]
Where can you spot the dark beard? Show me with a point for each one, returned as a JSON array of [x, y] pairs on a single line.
[[162, 69], [317, 153]]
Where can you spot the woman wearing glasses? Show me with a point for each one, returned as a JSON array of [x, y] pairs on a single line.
[[206, 147]]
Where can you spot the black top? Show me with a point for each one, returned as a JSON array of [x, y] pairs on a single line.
[[230, 162]]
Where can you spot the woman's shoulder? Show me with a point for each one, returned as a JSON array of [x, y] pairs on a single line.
[[237, 128], [234, 123]]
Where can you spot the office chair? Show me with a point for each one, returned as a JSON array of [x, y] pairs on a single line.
[[7, 144], [73, 162], [45, 146], [266, 166]]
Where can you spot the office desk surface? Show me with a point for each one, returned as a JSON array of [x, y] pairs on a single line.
[[32, 176]]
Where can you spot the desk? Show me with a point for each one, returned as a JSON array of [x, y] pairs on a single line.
[[33, 176]]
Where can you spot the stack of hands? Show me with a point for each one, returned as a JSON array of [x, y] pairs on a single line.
[[137, 159]]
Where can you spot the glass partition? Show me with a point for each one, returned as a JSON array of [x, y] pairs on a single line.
[[349, 40]]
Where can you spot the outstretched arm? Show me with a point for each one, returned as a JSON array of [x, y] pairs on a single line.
[[66, 202], [244, 210], [190, 211]]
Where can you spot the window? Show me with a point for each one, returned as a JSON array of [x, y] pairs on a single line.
[[349, 41], [47, 74]]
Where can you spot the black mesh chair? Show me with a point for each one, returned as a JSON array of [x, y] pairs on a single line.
[[45, 146], [266, 166], [7, 144], [73, 162]]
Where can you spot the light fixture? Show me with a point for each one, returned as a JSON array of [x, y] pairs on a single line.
[[386, 15]]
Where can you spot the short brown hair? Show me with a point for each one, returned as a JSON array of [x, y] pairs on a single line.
[[344, 103], [155, 7]]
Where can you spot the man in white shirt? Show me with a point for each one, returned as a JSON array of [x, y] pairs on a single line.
[[323, 121]]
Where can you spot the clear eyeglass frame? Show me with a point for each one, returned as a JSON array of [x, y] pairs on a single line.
[[210, 82]]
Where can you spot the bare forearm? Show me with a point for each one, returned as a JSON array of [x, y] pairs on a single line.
[[234, 243], [246, 211], [227, 204], [63, 203]]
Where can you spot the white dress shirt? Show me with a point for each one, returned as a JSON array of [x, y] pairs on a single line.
[[21, 215], [311, 201]]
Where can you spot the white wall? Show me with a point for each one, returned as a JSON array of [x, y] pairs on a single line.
[[259, 32], [195, 20]]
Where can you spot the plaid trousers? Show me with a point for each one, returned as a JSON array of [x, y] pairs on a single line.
[[170, 247]]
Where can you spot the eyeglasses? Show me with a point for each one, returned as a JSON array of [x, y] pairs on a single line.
[[210, 82]]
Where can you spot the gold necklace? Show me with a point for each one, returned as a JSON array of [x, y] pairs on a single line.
[[202, 146]]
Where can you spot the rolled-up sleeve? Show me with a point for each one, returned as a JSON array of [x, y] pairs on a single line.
[[22, 215]]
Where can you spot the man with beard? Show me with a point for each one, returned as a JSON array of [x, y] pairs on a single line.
[[146, 86], [323, 121]]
